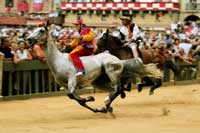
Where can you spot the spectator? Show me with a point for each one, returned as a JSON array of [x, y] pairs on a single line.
[[197, 53], [22, 53], [181, 55], [5, 49], [38, 51]]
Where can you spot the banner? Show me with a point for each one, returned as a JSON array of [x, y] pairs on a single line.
[[22, 6], [38, 5]]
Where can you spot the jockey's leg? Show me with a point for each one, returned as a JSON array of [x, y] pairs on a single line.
[[136, 52], [75, 57]]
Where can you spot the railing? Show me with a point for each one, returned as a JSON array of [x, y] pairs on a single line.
[[185, 72], [28, 77], [33, 77]]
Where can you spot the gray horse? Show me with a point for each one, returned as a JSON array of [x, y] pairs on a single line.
[[95, 65]]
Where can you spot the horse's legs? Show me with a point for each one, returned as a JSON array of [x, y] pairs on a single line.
[[146, 81], [125, 86], [72, 83], [157, 83], [111, 97]]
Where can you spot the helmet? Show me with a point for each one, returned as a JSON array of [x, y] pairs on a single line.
[[79, 21]]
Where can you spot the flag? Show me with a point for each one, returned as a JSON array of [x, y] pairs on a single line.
[[22, 6], [38, 5]]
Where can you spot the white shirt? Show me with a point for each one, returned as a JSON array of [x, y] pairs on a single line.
[[22, 55], [136, 32], [186, 47]]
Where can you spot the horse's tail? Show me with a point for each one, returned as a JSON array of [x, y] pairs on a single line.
[[136, 67], [152, 70], [113, 68]]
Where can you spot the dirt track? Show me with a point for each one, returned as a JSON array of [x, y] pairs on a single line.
[[172, 109]]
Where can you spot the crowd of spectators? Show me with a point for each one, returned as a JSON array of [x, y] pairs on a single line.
[[181, 41]]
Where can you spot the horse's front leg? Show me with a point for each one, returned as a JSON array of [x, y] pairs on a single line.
[[72, 84]]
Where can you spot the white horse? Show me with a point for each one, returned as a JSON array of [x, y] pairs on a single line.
[[95, 65]]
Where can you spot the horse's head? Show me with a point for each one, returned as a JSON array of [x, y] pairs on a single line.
[[42, 33], [102, 42], [35, 35], [109, 41]]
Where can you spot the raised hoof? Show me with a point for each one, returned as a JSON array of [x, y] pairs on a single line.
[[129, 87], [123, 95], [151, 92], [90, 99], [109, 109], [139, 88]]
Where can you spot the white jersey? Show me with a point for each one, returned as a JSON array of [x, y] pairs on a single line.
[[136, 32]]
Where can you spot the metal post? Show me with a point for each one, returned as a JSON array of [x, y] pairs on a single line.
[[1, 72]]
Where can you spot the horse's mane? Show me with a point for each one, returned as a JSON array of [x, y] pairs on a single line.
[[117, 41]]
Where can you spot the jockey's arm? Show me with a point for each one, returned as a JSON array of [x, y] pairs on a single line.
[[88, 37], [74, 43]]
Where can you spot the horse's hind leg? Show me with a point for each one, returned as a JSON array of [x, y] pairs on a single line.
[[111, 97], [82, 101], [157, 84], [125, 86], [146, 81]]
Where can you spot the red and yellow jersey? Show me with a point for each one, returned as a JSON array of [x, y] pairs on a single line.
[[87, 39]]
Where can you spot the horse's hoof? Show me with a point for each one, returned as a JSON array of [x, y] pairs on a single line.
[[123, 95], [110, 109], [103, 110], [90, 99], [151, 92], [139, 88], [129, 87], [97, 110]]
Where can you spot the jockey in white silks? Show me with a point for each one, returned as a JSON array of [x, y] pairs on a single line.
[[131, 32]]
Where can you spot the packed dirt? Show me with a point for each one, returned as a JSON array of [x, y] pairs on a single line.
[[172, 109]]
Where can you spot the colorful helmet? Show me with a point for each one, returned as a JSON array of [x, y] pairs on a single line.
[[79, 21]]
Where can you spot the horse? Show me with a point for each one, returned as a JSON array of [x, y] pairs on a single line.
[[95, 65], [116, 47]]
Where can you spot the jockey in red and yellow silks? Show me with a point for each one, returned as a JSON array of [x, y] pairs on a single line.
[[83, 44]]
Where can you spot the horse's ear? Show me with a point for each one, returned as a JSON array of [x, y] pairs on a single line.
[[122, 35], [107, 31], [46, 25]]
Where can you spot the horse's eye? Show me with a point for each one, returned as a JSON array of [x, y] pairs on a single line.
[[42, 31]]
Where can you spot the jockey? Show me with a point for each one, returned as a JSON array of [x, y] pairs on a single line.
[[83, 44], [131, 32]]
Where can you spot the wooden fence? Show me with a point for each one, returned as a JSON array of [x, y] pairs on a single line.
[[34, 77], [28, 77]]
